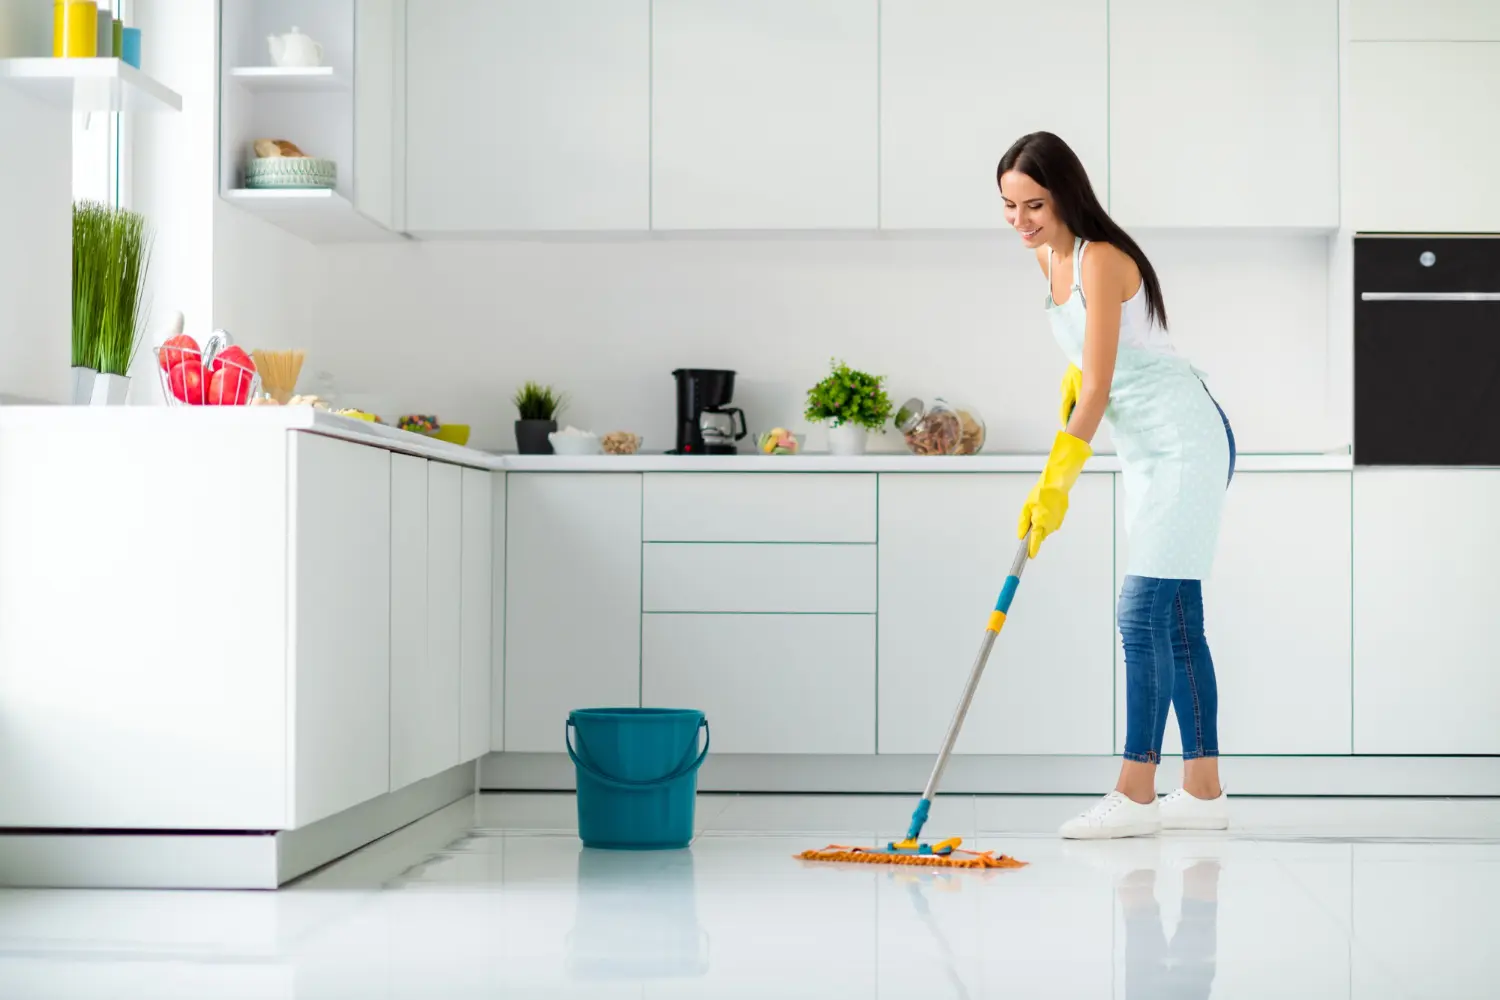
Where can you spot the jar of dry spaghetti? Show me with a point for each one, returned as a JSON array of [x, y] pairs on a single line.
[[930, 429]]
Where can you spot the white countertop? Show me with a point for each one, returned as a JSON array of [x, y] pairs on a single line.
[[306, 419], [886, 462]]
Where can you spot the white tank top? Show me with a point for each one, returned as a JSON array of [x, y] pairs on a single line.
[[1137, 329]]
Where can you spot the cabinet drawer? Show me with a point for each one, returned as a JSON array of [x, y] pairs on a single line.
[[760, 507], [798, 684], [760, 578]]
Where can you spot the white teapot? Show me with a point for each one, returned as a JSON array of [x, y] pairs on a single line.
[[294, 49]]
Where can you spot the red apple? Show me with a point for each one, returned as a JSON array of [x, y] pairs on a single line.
[[229, 386], [186, 381], [177, 350], [233, 354]]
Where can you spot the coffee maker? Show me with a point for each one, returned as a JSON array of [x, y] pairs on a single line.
[[706, 423]]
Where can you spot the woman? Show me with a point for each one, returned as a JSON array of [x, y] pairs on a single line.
[[1177, 453]]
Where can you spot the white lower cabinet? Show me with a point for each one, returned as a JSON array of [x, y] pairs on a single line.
[[801, 683], [497, 610], [1426, 675], [340, 534], [1277, 617], [476, 609], [416, 715], [572, 601], [946, 544], [445, 605]]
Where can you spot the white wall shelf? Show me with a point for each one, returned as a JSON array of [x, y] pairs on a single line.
[[315, 215], [276, 79], [89, 85]]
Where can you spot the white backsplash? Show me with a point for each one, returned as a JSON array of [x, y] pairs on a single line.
[[453, 328]]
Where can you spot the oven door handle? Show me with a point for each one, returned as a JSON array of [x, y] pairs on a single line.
[[1429, 296]]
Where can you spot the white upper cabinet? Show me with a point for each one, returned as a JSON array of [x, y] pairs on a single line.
[[1225, 114], [956, 89], [528, 116], [1424, 20], [1420, 141], [764, 114]]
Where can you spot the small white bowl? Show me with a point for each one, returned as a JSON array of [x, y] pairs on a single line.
[[575, 444]]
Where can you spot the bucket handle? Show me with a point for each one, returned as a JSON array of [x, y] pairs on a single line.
[[605, 779]]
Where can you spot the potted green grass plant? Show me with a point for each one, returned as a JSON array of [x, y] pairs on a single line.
[[111, 258], [537, 407], [852, 403], [90, 226], [122, 316]]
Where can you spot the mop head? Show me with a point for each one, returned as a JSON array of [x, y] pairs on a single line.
[[945, 857]]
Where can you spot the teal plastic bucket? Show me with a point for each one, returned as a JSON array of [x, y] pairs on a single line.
[[637, 775]]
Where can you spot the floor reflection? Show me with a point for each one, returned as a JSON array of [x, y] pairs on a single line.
[[1180, 967]]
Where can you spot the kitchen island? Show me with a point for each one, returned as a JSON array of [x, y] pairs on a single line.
[[235, 644]]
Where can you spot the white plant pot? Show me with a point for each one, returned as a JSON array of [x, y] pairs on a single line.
[[83, 386], [110, 390], [847, 439]]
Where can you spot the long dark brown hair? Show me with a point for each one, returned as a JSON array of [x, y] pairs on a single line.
[[1050, 162]]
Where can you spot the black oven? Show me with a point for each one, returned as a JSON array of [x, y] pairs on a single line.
[[1427, 350]]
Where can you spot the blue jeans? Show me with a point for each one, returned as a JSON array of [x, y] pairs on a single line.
[[1167, 662]]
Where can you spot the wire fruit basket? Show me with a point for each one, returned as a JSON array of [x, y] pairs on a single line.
[[220, 375]]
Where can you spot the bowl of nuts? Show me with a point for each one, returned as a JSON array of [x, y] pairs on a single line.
[[621, 443]]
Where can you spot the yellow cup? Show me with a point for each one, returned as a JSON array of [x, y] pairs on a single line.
[[75, 29]]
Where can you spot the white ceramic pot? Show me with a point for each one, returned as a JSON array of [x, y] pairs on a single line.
[[82, 385], [847, 439], [110, 390]]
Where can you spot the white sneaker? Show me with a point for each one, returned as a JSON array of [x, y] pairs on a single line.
[[1115, 815], [1181, 811]]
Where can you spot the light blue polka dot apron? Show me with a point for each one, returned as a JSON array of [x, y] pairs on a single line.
[[1171, 440]]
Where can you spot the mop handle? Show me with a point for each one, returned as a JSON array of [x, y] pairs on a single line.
[[991, 630]]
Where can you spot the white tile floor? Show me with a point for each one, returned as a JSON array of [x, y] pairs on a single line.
[[495, 897]]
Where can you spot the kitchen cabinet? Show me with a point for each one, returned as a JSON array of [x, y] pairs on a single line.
[[759, 579], [144, 681], [764, 114], [946, 543], [340, 534], [445, 605], [768, 683], [528, 116], [497, 610], [1425, 593], [1205, 102], [474, 616], [573, 601], [1429, 21], [1277, 613], [1411, 114], [418, 716], [950, 105], [776, 507]]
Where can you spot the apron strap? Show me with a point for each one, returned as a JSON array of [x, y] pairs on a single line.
[[1078, 269]]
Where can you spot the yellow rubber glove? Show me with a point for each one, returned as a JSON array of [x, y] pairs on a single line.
[[1047, 504], [1072, 388]]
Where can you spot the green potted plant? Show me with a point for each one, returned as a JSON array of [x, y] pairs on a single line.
[[111, 257], [852, 403], [90, 228], [122, 314], [537, 407]]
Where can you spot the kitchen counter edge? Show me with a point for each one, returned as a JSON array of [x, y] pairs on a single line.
[[159, 418]]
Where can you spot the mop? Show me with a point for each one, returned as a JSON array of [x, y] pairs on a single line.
[[944, 853]]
